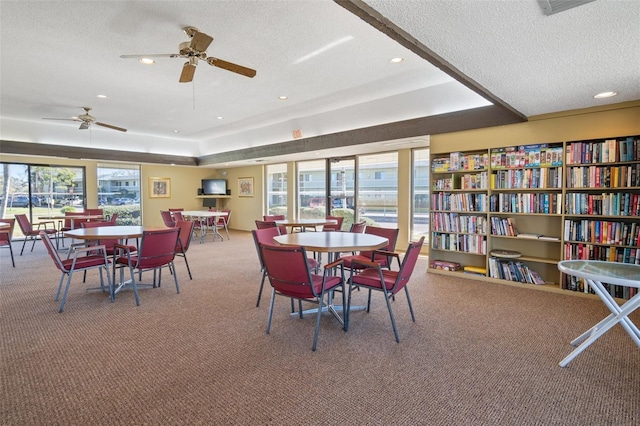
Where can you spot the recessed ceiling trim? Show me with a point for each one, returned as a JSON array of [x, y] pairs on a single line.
[[384, 25]]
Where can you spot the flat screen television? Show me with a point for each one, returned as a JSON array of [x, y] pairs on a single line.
[[214, 187]]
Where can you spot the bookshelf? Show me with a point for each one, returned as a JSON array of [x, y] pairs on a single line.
[[510, 214]]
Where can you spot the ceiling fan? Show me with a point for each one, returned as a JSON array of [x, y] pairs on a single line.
[[87, 120], [194, 50]]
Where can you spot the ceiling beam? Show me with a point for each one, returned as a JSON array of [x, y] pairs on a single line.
[[36, 149], [384, 25]]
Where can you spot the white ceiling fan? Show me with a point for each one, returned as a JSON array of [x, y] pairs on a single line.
[[87, 120], [193, 51]]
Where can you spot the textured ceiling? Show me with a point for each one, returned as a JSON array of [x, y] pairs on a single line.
[[56, 56]]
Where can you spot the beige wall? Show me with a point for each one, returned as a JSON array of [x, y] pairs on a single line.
[[616, 120]]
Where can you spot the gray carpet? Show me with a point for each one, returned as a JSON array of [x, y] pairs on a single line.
[[478, 354]]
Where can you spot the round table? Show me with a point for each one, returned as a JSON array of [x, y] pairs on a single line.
[[596, 272], [110, 232], [202, 216], [305, 223]]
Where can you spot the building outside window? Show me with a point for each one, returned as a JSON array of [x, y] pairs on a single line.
[[276, 197]]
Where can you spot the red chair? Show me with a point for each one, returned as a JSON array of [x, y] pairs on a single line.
[[265, 236], [6, 234], [69, 224], [167, 218], [373, 277], [334, 227], [272, 218], [96, 257], [358, 227], [184, 240], [379, 256], [32, 230], [261, 224], [290, 276], [177, 215], [113, 218], [157, 250]]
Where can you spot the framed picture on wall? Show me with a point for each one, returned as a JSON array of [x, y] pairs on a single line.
[[159, 187], [245, 187]]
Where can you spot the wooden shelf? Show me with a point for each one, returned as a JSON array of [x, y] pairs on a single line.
[[213, 196]]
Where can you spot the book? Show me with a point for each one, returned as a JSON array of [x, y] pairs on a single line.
[[528, 235]]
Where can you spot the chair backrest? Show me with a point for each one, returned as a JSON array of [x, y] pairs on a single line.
[[408, 264], [184, 237], [157, 248], [108, 242], [176, 210], [334, 227], [390, 234], [52, 251], [263, 236], [24, 223], [7, 233], [177, 215], [288, 270], [222, 220], [167, 218], [271, 218], [261, 224], [71, 224], [113, 218], [96, 212], [358, 227]]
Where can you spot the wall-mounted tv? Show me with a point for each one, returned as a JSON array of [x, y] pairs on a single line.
[[214, 187]]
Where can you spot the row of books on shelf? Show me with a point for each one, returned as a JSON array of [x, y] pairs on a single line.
[[605, 204], [454, 222], [466, 181], [602, 232], [586, 251], [503, 226], [526, 203], [466, 243], [579, 284], [460, 161], [459, 202], [606, 151], [603, 176], [536, 155], [527, 178], [513, 270]]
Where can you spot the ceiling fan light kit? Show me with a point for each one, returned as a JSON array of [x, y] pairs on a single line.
[[194, 50]]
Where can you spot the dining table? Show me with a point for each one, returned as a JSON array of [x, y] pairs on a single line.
[[332, 243], [203, 216], [120, 232], [595, 273], [304, 224]]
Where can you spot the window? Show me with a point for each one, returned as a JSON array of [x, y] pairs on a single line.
[[276, 199], [378, 189], [420, 195], [119, 192], [312, 192]]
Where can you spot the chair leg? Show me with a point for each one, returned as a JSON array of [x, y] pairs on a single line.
[[133, 283], [172, 267], [406, 291], [317, 332], [273, 298], [34, 243], [66, 290], [23, 244], [11, 251], [264, 275], [393, 320], [59, 287], [188, 269]]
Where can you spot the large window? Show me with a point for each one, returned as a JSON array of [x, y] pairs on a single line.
[[312, 192], [377, 199], [420, 195], [276, 178], [119, 192]]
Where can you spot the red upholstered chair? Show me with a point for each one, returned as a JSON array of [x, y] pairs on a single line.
[[379, 256], [290, 276], [95, 212], [261, 224], [184, 240], [176, 210], [108, 243], [265, 236], [113, 218], [157, 250], [334, 227], [167, 218], [375, 278], [272, 218], [177, 215], [96, 257], [358, 227], [69, 224], [32, 230], [6, 234]]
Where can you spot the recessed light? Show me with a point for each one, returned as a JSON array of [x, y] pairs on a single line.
[[102, 96], [176, 131], [605, 95], [147, 61], [397, 60], [220, 117], [283, 98]]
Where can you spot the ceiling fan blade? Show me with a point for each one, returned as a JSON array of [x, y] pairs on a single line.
[[201, 41], [111, 126], [61, 119], [188, 70], [229, 66], [152, 55]]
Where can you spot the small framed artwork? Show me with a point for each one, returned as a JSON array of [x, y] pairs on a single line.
[[159, 187], [245, 187]]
